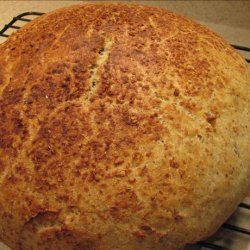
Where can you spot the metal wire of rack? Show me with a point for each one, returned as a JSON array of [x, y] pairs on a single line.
[[29, 16]]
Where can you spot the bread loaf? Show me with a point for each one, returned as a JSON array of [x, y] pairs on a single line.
[[121, 127]]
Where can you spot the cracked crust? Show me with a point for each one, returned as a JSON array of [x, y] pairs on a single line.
[[121, 127]]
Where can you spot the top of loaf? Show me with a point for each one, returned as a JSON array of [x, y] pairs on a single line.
[[121, 127]]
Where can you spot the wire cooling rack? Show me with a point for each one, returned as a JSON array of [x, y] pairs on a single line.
[[20, 20]]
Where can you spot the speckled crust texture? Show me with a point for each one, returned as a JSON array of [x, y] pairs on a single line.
[[121, 127]]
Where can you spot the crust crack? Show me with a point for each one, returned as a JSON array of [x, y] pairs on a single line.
[[101, 59]]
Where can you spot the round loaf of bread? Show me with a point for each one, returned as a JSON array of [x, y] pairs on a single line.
[[121, 127]]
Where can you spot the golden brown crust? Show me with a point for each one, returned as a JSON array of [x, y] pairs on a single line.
[[121, 127]]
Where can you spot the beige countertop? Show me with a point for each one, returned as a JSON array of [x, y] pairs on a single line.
[[230, 19]]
